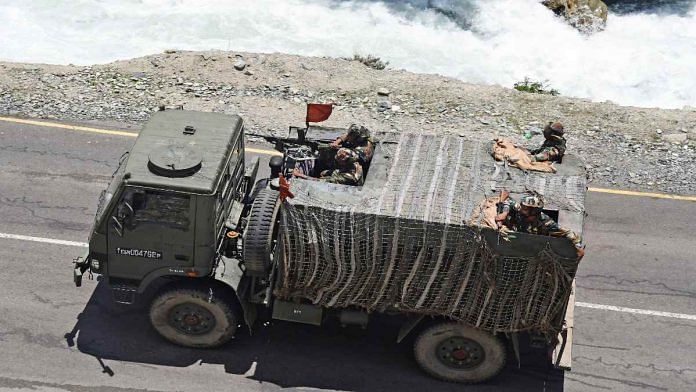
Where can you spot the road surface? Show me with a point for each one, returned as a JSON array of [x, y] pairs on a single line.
[[635, 324]]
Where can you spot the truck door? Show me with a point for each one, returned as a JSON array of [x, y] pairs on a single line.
[[150, 229]]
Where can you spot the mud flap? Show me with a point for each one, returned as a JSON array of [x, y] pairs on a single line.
[[515, 338], [248, 308], [562, 353], [229, 272], [408, 326]]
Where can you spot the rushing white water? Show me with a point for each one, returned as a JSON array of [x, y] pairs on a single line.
[[641, 59]]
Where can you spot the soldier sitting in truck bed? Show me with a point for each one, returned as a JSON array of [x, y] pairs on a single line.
[[358, 139], [527, 217], [554, 146], [348, 170]]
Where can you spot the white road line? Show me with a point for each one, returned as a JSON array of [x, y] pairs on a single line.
[[636, 311], [611, 308], [44, 240]]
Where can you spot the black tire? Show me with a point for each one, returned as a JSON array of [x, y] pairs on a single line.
[[217, 316], [260, 232], [480, 356]]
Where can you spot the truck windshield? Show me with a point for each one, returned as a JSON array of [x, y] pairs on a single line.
[[109, 192]]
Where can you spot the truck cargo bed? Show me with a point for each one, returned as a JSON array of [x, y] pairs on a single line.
[[408, 240]]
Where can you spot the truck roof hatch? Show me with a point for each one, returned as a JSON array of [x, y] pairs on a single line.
[[174, 160]]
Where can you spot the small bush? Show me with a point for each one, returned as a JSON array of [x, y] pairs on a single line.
[[531, 86], [371, 61]]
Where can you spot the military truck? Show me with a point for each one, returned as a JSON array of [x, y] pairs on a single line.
[[186, 210]]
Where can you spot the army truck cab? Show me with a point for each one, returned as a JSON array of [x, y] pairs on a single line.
[[167, 213]]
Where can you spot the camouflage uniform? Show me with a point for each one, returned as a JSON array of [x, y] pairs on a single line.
[[541, 225], [552, 149], [352, 174], [365, 150], [349, 171], [364, 146]]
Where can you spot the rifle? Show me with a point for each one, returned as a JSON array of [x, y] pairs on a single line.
[[280, 143], [502, 230]]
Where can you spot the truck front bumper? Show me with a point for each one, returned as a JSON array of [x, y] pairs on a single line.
[[81, 264]]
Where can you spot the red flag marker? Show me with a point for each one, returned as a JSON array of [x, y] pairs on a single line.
[[318, 112], [284, 189]]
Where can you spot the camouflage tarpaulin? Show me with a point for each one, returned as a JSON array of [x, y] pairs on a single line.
[[401, 242]]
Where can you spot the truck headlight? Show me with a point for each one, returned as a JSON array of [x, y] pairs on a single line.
[[95, 264]]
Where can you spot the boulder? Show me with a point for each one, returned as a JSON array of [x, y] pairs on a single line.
[[588, 16], [239, 64]]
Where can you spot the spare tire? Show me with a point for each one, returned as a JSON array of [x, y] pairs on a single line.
[[261, 231]]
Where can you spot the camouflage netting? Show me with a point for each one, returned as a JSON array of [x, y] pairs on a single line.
[[406, 241]]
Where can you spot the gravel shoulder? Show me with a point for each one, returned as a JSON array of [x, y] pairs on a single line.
[[627, 147]]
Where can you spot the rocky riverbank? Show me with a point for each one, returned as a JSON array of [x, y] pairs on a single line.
[[626, 147]]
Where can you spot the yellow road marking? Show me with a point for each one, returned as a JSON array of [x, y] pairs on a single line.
[[105, 131], [642, 194], [66, 126], [261, 151], [273, 152]]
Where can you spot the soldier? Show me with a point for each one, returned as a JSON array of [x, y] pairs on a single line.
[[553, 147], [527, 217], [357, 138], [348, 172]]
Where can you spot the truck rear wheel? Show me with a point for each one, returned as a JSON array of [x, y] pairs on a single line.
[[193, 317], [261, 232], [458, 353]]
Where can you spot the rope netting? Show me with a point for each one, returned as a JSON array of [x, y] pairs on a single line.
[[405, 243], [345, 259]]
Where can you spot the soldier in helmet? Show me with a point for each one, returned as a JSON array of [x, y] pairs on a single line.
[[348, 170], [358, 139], [553, 147], [526, 216]]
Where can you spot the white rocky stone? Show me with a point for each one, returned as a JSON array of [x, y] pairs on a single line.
[[675, 138], [240, 64], [588, 16]]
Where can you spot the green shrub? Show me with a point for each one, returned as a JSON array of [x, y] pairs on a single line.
[[531, 86], [371, 61]]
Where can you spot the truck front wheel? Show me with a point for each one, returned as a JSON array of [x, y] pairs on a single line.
[[458, 353], [193, 317]]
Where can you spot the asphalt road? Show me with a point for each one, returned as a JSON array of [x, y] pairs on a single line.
[[54, 337]]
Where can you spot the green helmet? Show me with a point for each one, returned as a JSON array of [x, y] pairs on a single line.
[[358, 132], [532, 201], [553, 130]]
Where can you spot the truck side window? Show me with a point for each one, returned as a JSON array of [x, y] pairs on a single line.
[[139, 201], [162, 208]]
